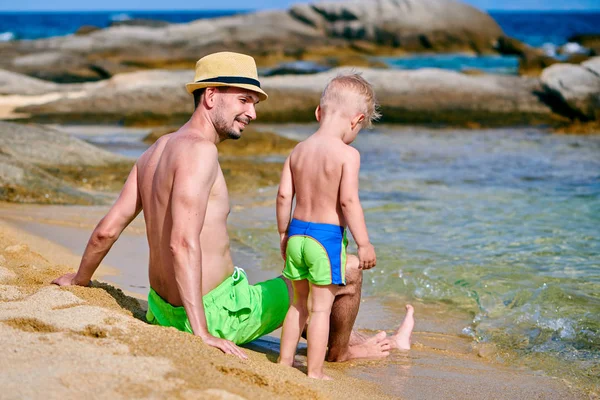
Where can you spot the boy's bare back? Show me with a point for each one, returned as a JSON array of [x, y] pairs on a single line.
[[317, 165]]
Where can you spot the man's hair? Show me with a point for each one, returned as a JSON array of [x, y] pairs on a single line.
[[199, 92], [353, 88], [197, 95]]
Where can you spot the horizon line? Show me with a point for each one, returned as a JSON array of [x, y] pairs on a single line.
[[256, 10]]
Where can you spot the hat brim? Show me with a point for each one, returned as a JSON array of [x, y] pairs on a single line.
[[191, 87]]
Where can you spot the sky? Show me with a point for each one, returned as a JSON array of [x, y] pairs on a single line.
[[65, 5]]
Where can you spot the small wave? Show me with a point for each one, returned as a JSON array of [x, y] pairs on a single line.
[[120, 17], [550, 49], [7, 37], [574, 48]]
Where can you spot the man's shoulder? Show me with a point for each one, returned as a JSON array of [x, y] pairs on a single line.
[[193, 146]]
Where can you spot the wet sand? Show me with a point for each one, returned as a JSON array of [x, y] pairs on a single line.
[[124, 357]]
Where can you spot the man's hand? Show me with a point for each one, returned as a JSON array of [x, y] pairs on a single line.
[[283, 240], [66, 280], [366, 256], [225, 346]]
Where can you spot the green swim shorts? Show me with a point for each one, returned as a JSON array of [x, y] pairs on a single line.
[[316, 252], [235, 310]]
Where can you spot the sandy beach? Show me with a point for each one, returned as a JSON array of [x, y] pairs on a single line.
[[480, 187], [74, 342]]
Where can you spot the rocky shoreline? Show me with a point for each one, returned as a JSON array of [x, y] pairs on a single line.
[[428, 96], [41, 165]]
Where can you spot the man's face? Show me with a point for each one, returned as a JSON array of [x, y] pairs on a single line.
[[234, 110]]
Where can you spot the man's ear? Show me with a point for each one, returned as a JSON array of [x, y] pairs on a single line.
[[318, 113], [209, 97], [357, 120]]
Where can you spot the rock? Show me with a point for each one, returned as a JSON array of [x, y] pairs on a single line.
[[577, 58], [57, 66], [294, 68], [253, 142], [317, 32], [411, 24], [13, 83], [148, 23], [419, 96], [575, 87], [589, 41], [531, 60], [41, 165], [533, 64], [86, 30], [44, 146]]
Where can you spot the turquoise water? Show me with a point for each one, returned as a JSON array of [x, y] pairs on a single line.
[[495, 64], [499, 225], [502, 225]]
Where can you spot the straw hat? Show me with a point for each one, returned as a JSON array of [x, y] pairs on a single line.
[[227, 69]]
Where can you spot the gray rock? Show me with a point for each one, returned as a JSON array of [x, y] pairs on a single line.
[[44, 146], [428, 95], [28, 152], [13, 83], [271, 36], [576, 86], [434, 24], [150, 23]]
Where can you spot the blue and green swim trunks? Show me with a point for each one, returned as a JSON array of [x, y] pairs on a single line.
[[316, 252], [235, 310]]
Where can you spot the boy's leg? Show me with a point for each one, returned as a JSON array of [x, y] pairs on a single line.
[[322, 298], [294, 323]]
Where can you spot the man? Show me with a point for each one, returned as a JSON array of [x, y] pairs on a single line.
[[180, 186]]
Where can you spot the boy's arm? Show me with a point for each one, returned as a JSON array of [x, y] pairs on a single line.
[[285, 196], [352, 210], [106, 233]]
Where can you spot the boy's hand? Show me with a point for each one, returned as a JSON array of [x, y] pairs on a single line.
[[283, 239], [366, 256]]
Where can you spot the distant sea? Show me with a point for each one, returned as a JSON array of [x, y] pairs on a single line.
[[548, 30]]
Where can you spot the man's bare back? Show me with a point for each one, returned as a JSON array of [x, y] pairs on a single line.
[[156, 169]]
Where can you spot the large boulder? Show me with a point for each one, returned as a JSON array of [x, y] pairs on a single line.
[[42, 165], [421, 96], [319, 32], [432, 25], [575, 88]]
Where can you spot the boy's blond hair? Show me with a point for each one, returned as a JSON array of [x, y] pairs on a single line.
[[353, 88]]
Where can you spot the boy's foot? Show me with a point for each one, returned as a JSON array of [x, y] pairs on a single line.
[[401, 338], [287, 363], [320, 376]]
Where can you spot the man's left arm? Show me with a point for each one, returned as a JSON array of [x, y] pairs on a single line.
[[106, 233]]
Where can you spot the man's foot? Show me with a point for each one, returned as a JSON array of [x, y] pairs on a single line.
[[377, 346], [401, 338]]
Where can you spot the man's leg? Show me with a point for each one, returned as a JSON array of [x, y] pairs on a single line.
[[343, 343]]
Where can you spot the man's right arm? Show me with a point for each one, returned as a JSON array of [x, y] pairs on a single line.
[[106, 233], [352, 209], [194, 176]]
